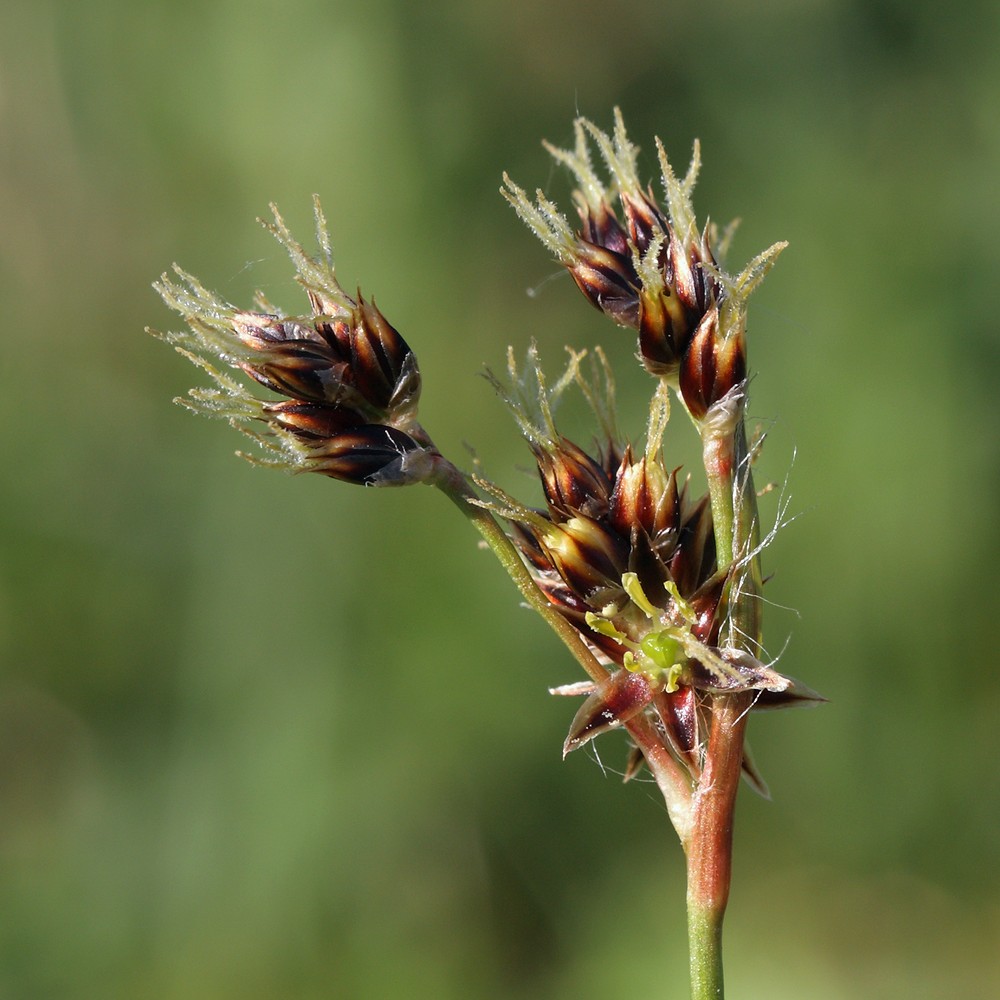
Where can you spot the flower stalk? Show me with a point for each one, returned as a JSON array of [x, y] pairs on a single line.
[[654, 590], [709, 849]]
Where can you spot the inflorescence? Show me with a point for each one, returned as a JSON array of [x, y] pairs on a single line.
[[660, 584]]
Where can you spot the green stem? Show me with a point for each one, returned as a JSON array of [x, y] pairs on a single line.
[[705, 946], [671, 778]]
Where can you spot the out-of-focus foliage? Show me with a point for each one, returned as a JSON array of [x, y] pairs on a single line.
[[267, 737]]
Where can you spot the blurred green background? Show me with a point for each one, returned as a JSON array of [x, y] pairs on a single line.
[[268, 737]]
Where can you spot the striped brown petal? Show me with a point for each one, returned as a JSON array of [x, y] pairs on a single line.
[[619, 698]]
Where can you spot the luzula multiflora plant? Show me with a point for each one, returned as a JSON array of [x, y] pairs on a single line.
[[655, 590]]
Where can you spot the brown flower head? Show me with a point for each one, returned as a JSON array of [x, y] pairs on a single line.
[[627, 555], [648, 268], [351, 381]]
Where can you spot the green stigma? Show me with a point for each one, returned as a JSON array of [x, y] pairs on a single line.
[[662, 649], [660, 654]]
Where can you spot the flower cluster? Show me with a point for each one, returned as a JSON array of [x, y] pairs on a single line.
[[627, 555], [351, 381], [649, 269], [622, 549], [654, 588]]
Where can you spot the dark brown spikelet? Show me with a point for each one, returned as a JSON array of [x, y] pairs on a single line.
[[313, 420], [713, 366], [351, 382], [574, 483], [344, 447], [292, 356], [384, 367], [650, 268], [609, 281], [374, 455]]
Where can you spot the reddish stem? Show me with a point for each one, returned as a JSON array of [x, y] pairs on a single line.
[[709, 850]]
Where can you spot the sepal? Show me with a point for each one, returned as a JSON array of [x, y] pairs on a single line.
[[619, 698], [795, 695], [729, 671]]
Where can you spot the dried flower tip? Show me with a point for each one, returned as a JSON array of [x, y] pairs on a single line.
[[528, 395], [794, 695]]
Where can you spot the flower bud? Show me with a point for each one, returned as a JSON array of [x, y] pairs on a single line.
[[292, 357], [374, 455], [644, 496], [609, 281], [713, 365], [312, 420], [384, 368], [589, 557], [600, 226], [574, 483], [665, 328], [645, 220]]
